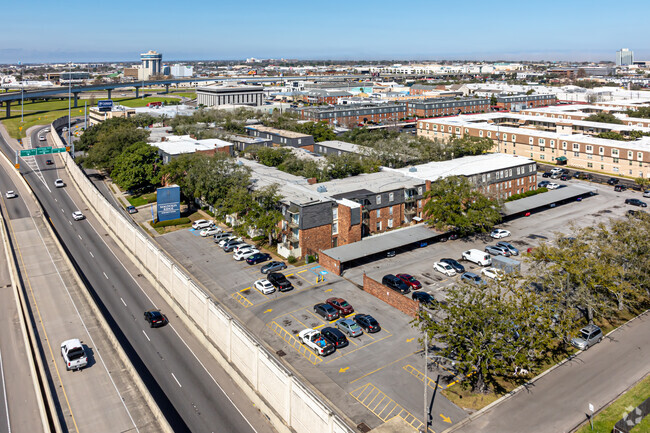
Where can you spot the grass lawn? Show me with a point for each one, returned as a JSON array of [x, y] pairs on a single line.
[[139, 200], [191, 95], [605, 420]]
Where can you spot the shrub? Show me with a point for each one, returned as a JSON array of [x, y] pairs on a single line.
[[176, 222], [527, 194], [259, 238], [292, 260]]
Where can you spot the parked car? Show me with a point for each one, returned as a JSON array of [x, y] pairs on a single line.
[[73, 354], [272, 267], [201, 224], [472, 278], [577, 174], [314, 340], [477, 256], [426, 299], [635, 213], [392, 282], [555, 176], [77, 216], [499, 233], [565, 177], [646, 193], [59, 183], [349, 326], [497, 251], [221, 236], [546, 174], [279, 281], [513, 251], [612, 181], [492, 273], [367, 323], [543, 184], [620, 188], [244, 253], [242, 246], [552, 185], [334, 336], [11, 194], [155, 318], [226, 239], [343, 307], [264, 286], [210, 231], [326, 311], [589, 335], [410, 281], [454, 264], [444, 268], [257, 258], [635, 202], [131, 209], [232, 244]]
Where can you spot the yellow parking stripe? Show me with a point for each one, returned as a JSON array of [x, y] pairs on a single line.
[[368, 393], [295, 343], [420, 376], [242, 299], [359, 348]]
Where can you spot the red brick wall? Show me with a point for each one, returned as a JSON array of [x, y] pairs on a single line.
[[394, 299], [347, 233], [384, 216], [334, 266], [316, 239]]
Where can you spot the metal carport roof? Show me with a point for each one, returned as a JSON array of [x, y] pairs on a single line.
[[544, 199]]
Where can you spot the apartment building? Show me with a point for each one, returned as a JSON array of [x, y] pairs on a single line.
[[350, 115], [446, 107], [281, 137], [325, 96], [520, 102], [581, 111]]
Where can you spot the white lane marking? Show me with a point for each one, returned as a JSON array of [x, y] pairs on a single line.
[[145, 334], [91, 254], [70, 222], [62, 211], [179, 384], [124, 304], [80, 237], [105, 275], [4, 392], [56, 200]]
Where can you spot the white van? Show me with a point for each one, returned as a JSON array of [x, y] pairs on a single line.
[[479, 257]]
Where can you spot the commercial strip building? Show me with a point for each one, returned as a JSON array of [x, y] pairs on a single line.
[[96, 116], [579, 112], [214, 96]]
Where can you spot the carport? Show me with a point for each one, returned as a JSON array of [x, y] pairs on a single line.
[[376, 247], [552, 198]]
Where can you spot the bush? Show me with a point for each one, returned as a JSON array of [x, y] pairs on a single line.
[[176, 222], [292, 260], [527, 194], [259, 238]]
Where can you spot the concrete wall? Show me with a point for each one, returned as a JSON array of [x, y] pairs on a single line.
[[290, 404], [391, 297]]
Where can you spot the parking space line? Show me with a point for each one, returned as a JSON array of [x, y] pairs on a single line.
[[359, 348], [381, 368], [242, 299], [245, 290], [420, 376], [288, 313], [295, 343], [367, 394], [305, 279], [298, 320], [304, 270], [319, 326]]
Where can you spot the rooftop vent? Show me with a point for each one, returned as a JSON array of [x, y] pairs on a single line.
[[321, 188], [413, 169]]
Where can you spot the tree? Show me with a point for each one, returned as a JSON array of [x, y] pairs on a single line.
[[603, 118], [455, 204], [110, 141], [137, 168], [643, 182], [493, 100], [581, 73], [269, 156], [265, 215]]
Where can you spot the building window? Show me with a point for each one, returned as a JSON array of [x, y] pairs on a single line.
[[390, 210], [379, 226], [419, 190], [335, 228], [378, 199], [589, 149], [615, 160], [390, 196], [576, 146], [419, 203], [390, 223], [590, 165], [614, 152], [335, 213], [378, 213]]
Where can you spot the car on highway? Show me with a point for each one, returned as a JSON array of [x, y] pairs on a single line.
[[454, 264], [635, 202], [49, 162], [334, 336], [552, 185], [497, 251], [273, 266], [499, 233], [11, 194], [326, 311], [513, 251], [472, 278], [343, 307], [279, 281], [620, 188], [367, 323], [74, 354], [426, 299], [264, 286], [41, 138], [588, 336], [410, 281], [314, 340], [244, 253], [59, 183], [257, 258], [77, 216], [132, 209], [492, 273], [444, 268], [210, 231], [155, 318], [392, 282], [202, 224], [349, 327]]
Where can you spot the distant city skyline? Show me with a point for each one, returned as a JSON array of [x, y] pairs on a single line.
[[472, 30]]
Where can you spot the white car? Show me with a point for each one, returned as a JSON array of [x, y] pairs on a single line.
[[245, 253], [241, 247], [646, 193], [59, 183], [225, 240], [11, 194], [264, 286], [444, 268], [552, 185], [78, 216], [492, 273], [201, 224], [41, 138], [499, 233], [210, 231]]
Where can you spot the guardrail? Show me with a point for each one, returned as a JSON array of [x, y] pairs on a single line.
[[289, 403]]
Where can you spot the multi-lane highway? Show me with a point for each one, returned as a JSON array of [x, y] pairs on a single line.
[[185, 386]]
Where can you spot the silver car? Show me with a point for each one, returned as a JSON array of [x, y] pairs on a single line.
[[350, 327], [589, 335], [513, 251]]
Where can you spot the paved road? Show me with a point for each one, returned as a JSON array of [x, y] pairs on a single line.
[[185, 389]]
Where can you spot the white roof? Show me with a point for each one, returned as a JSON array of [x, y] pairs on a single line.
[[345, 146], [177, 145]]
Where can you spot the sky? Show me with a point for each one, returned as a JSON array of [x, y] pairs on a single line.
[[118, 30]]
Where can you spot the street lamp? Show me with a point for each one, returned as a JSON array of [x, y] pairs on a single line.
[[428, 419]]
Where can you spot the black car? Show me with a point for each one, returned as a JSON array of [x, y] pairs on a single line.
[[49, 162], [577, 175], [635, 202], [635, 213], [326, 311], [565, 177], [155, 318], [231, 245], [273, 266], [620, 188], [367, 323], [258, 258], [546, 174], [612, 181], [425, 299], [454, 264], [395, 283], [543, 184], [334, 336], [279, 281]]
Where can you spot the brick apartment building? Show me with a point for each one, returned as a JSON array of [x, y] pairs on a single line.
[[325, 96], [446, 107], [581, 111], [520, 102], [351, 115], [281, 137]]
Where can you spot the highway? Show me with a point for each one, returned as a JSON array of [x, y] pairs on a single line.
[[185, 388]]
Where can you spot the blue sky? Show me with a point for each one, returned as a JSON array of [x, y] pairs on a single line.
[[47, 31]]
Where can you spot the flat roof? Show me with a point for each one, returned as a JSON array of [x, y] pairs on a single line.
[[218, 89], [187, 145], [381, 242], [544, 199], [281, 132], [374, 182], [345, 146]]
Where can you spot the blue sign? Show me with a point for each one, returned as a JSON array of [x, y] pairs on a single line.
[[169, 203], [105, 105]]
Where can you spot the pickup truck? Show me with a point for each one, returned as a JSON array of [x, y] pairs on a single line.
[[314, 340], [73, 354]]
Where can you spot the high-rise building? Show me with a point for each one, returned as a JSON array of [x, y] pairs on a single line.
[[151, 65], [624, 57]]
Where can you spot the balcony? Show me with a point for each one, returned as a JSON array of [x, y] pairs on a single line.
[[286, 250]]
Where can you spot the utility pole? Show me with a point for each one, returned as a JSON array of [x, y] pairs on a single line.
[[69, 101]]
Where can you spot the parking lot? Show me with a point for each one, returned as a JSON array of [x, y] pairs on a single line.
[[377, 376]]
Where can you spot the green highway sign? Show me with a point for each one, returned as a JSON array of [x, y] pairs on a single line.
[[58, 150], [41, 151], [28, 152]]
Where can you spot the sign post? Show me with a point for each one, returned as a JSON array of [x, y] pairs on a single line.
[[105, 105]]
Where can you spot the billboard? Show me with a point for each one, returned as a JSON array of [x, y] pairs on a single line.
[[105, 105], [169, 203]]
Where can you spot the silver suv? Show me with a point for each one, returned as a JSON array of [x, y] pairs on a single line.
[[589, 335]]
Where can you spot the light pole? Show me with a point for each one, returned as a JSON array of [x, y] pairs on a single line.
[[428, 419]]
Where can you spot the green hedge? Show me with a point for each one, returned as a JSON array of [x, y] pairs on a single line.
[[527, 194], [176, 222]]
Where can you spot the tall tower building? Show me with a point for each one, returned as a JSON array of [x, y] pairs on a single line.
[[624, 57], [151, 65]]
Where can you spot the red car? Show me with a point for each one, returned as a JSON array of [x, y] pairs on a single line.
[[341, 305], [410, 281]]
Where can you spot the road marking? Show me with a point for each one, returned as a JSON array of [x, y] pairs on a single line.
[[123, 301], [91, 254], [319, 326], [242, 299], [305, 270], [246, 289], [367, 394], [381, 368], [408, 340], [268, 311], [69, 222], [4, 392], [145, 334], [105, 275], [80, 237], [179, 384], [295, 343], [445, 418], [62, 211], [343, 370], [328, 290]]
